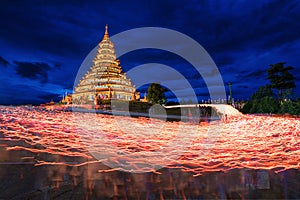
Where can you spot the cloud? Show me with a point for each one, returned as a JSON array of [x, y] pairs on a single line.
[[241, 37], [41, 27], [16, 90], [3, 62], [49, 96], [252, 75], [33, 70], [223, 60]]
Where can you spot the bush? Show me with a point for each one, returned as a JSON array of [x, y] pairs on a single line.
[[247, 107], [268, 105], [290, 107], [262, 101], [264, 105]]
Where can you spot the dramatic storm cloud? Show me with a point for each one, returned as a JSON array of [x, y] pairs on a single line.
[[3, 62], [34, 70], [43, 43]]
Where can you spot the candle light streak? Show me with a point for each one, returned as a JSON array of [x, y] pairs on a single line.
[[257, 142]]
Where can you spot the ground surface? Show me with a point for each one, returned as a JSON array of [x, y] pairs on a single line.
[[67, 153]]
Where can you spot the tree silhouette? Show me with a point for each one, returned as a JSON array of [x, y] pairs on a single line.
[[262, 101], [156, 94], [281, 79]]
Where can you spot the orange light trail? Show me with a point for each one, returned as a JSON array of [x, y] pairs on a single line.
[[257, 142]]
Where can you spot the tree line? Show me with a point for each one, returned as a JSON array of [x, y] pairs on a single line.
[[278, 96]]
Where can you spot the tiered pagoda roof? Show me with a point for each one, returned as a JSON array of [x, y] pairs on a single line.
[[105, 79]]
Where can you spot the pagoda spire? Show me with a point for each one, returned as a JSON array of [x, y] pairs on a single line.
[[106, 36]]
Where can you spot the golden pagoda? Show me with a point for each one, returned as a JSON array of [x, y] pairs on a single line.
[[105, 79]]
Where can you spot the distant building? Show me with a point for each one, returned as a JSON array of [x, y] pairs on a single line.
[[145, 98], [67, 99], [105, 79]]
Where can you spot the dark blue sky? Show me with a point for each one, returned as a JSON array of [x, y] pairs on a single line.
[[43, 43]]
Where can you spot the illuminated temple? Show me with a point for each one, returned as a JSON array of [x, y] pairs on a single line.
[[105, 79]]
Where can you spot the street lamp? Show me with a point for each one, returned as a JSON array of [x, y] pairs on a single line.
[[230, 92]]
